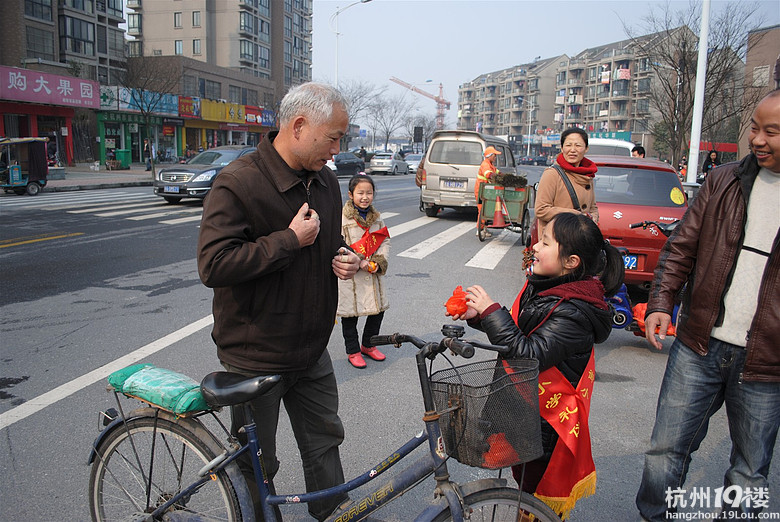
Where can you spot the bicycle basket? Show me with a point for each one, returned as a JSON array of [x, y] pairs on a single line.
[[494, 422]]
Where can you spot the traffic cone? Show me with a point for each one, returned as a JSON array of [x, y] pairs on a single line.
[[498, 216]]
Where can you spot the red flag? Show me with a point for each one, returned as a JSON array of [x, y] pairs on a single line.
[[369, 243]]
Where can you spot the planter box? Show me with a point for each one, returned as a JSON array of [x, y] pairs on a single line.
[[56, 173]]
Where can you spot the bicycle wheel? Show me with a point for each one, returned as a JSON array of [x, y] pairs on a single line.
[[503, 504], [140, 466]]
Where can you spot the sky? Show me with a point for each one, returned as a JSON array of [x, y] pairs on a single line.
[[454, 41]]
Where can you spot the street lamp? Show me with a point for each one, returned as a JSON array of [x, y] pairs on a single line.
[[334, 26], [530, 110]]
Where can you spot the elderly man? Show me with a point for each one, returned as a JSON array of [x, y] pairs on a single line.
[[270, 246], [726, 249]]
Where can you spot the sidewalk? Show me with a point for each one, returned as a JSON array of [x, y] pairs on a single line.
[[80, 177]]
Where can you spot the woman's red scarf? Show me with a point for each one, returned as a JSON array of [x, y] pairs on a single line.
[[586, 168]]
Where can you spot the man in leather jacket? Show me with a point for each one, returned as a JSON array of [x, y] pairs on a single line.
[[726, 250]]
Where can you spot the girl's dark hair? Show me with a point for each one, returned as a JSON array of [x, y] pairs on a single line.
[[577, 234], [574, 130], [357, 178]]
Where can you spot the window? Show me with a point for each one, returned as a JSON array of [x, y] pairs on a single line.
[[77, 36], [248, 50], [288, 27], [177, 20], [196, 19], [114, 8], [134, 48], [189, 85], [234, 94], [287, 75], [40, 44], [247, 23], [196, 47], [38, 9], [102, 45], [287, 51], [264, 57], [264, 8], [264, 30], [178, 47], [133, 23], [643, 85], [82, 5]]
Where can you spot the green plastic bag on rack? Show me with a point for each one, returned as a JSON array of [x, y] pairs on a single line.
[[170, 390]]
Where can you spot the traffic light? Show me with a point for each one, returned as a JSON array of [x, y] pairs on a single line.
[[418, 135]]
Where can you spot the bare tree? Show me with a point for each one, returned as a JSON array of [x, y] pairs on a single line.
[[426, 121], [387, 115], [670, 47], [360, 96], [150, 79]]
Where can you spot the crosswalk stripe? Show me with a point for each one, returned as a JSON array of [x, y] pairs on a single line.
[[114, 207], [388, 215], [166, 213], [491, 254], [430, 245], [397, 230], [179, 221], [126, 211]]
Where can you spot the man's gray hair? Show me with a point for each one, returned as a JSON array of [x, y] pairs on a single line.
[[313, 100]]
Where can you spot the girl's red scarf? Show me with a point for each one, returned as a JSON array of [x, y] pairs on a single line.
[[571, 472], [586, 168]]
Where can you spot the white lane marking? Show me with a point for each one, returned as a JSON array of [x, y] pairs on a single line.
[[491, 254], [114, 207], [128, 211], [166, 213], [397, 230], [181, 220], [388, 215], [69, 388], [430, 245]]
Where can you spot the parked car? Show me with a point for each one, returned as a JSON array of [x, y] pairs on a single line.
[[450, 167], [194, 178], [630, 190], [533, 160], [347, 164], [413, 160], [387, 163], [608, 146]]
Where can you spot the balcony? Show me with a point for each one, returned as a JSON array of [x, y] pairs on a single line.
[[134, 4]]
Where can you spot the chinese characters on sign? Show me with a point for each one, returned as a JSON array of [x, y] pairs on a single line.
[[39, 87]]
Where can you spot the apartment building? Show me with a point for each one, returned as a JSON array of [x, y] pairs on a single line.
[[268, 39], [762, 69], [516, 103], [605, 90]]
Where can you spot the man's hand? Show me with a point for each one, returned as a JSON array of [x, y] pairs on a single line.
[[306, 225], [655, 320], [345, 263]]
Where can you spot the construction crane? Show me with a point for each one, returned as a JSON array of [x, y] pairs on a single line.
[[441, 103]]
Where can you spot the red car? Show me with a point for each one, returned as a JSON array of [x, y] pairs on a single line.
[[631, 190]]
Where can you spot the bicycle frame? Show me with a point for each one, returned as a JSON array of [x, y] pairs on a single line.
[[433, 462]]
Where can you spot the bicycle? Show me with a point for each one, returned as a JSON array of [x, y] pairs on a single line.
[[152, 464]]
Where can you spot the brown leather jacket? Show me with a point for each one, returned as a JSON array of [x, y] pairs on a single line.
[[703, 251]]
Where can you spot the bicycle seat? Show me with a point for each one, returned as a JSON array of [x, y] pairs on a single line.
[[226, 388]]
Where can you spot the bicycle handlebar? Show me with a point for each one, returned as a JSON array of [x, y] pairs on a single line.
[[459, 347], [665, 228]]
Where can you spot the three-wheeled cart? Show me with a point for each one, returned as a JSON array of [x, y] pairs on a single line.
[[511, 202], [23, 165]]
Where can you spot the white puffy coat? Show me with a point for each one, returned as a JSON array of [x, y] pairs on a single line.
[[365, 293]]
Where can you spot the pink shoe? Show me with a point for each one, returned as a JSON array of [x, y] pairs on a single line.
[[356, 360], [373, 353]]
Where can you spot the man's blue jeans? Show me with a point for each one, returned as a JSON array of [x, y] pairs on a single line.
[[693, 389]]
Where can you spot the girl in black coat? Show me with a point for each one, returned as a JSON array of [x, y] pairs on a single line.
[[556, 319]]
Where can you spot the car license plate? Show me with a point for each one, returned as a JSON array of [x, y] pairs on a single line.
[[453, 184], [629, 262], [170, 189]]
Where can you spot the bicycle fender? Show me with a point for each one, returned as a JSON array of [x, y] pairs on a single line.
[[113, 425], [440, 504]]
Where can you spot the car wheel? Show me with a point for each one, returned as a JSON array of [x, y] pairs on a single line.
[[395, 170], [432, 211], [33, 189]]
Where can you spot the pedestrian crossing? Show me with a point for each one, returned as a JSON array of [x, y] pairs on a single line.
[[144, 207]]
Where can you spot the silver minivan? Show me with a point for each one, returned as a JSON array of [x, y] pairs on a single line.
[[448, 172]]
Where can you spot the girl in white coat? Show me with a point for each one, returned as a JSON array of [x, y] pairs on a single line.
[[364, 294]]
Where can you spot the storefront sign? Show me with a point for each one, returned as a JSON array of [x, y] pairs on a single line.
[[189, 107], [175, 122], [168, 130], [269, 118], [38, 87], [134, 100]]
